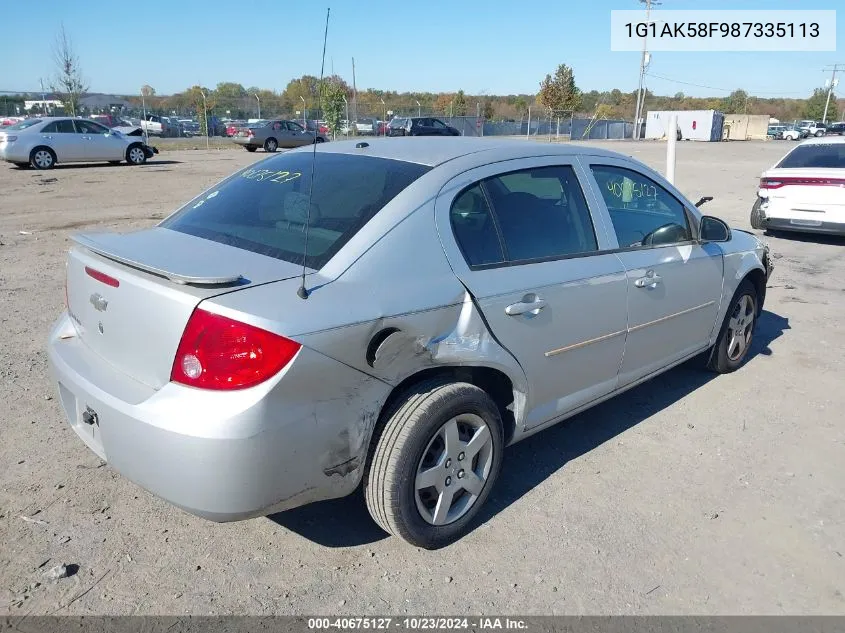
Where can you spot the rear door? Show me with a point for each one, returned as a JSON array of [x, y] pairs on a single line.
[[61, 136], [674, 283], [520, 236]]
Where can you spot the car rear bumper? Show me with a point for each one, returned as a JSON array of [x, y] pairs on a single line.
[[246, 141], [804, 226], [14, 153], [222, 456]]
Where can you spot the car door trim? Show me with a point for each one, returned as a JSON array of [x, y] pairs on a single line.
[[604, 337], [598, 339], [670, 316]]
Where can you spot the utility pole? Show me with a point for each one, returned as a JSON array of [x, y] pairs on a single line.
[[255, 94], [354, 94], [643, 63], [830, 88]]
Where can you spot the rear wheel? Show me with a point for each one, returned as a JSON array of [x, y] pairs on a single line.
[[734, 340], [42, 158], [435, 463], [756, 219], [271, 145], [319, 139], [250, 148]]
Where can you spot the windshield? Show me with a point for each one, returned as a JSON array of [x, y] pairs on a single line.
[[264, 208], [818, 155], [24, 124]]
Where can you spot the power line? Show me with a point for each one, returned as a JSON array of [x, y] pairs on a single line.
[[687, 83]]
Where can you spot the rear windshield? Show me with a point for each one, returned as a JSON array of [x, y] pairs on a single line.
[[830, 155], [264, 208], [22, 125]]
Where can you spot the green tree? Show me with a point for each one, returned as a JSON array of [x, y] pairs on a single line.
[[203, 101], [460, 104], [332, 104], [304, 88], [560, 92], [814, 106], [488, 111], [521, 105], [735, 102]]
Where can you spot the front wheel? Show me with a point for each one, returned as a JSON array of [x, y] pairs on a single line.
[[731, 348], [271, 145], [819, 133], [434, 464], [135, 155]]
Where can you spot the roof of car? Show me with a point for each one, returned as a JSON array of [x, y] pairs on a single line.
[[824, 140], [436, 150]]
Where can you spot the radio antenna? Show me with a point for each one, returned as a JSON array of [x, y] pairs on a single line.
[[302, 293]]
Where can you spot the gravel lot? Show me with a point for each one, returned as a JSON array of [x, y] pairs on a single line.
[[691, 494]]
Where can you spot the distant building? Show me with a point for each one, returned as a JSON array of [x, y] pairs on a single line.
[[100, 102], [42, 104]]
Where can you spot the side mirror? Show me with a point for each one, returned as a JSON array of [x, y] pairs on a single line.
[[714, 230]]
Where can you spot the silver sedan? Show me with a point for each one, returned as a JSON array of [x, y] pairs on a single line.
[[46, 141], [426, 303], [271, 135]]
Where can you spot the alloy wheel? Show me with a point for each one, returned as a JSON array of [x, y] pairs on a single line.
[[741, 328], [454, 469]]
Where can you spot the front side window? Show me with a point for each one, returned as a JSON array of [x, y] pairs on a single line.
[[437, 123], [89, 127], [294, 126], [542, 213], [643, 212]]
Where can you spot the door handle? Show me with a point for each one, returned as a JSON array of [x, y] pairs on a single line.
[[528, 305], [651, 280]]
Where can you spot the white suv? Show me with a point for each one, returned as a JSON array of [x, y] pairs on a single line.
[[155, 125], [813, 128]]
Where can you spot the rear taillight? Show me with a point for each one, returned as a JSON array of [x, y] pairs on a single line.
[[250, 133], [219, 353], [777, 183]]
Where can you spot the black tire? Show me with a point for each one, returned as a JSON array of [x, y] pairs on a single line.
[[271, 145], [250, 148], [721, 359], [410, 426], [22, 165], [135, 154], [756, 220], [38, 158], [319, 139]]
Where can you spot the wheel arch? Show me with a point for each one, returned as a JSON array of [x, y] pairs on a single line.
[[496, 383]]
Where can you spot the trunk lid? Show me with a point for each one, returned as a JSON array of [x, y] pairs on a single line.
[[131, 295], [807, 188]]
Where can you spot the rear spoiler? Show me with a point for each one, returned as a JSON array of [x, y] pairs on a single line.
[[120, 248]]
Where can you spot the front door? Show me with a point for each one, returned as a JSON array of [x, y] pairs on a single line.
[[674, 282], [100, 144], [520, 236]]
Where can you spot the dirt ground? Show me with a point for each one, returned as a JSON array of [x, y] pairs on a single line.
[[692, 494]]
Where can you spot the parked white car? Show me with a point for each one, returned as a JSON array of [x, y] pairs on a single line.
[[45, 141], [790, 134], [805, 190]]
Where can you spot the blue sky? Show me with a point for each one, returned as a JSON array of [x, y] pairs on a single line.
[[494, 46]]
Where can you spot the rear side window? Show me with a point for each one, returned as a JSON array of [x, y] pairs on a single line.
[[65, 126], [818, 155], [264, 208]]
